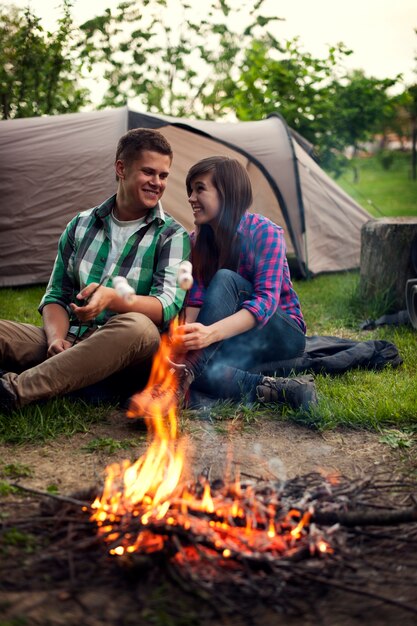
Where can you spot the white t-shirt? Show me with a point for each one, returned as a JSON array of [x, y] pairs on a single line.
[[120, 233]]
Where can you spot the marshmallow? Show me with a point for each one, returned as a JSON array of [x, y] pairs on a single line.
[[185, 277], [123, 289]]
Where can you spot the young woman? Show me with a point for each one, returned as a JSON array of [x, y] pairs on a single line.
[[242, 310]]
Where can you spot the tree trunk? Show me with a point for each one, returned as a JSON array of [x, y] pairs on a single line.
[[386, 263]]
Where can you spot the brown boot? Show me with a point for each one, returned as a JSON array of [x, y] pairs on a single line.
[[8, 399], [298, 393]]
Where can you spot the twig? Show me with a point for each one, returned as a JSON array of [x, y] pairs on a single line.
[[54, 496], [359, 590], [366, 518]]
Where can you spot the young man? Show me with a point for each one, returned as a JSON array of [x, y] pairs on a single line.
[[90, 332]]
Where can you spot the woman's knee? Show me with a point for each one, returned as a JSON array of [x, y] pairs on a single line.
[[228, 282], [224, 276]]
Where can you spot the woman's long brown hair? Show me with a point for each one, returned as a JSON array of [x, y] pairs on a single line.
[[220, 247]]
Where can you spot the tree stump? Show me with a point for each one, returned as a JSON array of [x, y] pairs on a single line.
[[387, 263]]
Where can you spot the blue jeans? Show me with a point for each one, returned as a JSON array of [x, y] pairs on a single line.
[[221, 369]]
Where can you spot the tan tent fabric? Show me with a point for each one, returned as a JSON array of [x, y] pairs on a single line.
[[332, 219], [190, 148], [50, 168], [53, 167]]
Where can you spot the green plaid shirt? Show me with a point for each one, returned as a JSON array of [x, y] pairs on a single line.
[[149, 260]]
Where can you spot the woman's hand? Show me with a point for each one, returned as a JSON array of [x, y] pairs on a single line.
[[194, 336]]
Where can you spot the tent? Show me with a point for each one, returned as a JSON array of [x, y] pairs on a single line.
[[53, 167]]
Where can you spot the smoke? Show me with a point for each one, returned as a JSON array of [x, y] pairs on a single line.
[[274, 465]]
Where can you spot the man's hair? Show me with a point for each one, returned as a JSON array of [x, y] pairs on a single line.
[[135, 141]]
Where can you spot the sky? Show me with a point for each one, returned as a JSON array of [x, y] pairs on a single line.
[[381, 33]]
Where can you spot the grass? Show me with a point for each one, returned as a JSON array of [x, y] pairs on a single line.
[[21, 304], [385, 401], [108, 445], [357, 399], [40, 422], [383, 192]]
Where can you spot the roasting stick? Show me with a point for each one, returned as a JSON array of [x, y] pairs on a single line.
[[86, 301], [185, 281], [102, 281], [125, 291]]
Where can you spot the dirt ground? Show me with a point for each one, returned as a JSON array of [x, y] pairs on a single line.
[[269, 449]]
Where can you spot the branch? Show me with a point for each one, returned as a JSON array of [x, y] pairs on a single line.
[[366, 518], [54, 496]]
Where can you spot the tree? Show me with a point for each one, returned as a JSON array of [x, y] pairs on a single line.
[[168, 60], [331, 111], [282, 78], [39, 73], [409, 102], [358, 107]]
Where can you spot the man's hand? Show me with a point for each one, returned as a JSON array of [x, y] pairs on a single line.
[[57, 346], [101, 298]]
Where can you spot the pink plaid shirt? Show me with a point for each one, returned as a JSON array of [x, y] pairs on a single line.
[[263, 262]]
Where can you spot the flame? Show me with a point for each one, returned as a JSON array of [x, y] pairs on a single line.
[[142, 501]]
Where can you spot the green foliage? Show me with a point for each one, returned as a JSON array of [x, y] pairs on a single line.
[[275, 77], [170, 61], [6, 489], [332, 112], [38, 70], [17, 538], [399, 439], [386, 158], [408, 102], [16, 470], [358, 107]]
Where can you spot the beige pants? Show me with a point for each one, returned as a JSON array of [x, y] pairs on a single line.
[[128, 340]]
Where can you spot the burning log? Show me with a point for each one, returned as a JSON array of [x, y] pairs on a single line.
[[253, 572], [367, 518]]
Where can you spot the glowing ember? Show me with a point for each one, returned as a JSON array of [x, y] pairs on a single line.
[[147, 506]]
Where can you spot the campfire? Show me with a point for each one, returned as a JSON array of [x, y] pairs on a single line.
[[148, 506], [236, 542]]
